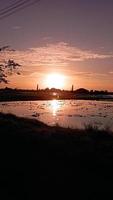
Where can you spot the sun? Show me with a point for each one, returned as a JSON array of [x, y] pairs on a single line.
[[55, 81]]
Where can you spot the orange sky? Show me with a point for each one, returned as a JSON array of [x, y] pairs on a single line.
[[82, 68], [71, 38]]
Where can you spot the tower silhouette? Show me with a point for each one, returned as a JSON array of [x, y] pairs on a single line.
[[37, 87], [72, 89]]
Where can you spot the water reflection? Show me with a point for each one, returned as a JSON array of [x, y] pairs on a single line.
[[69, 113], [55, 105]]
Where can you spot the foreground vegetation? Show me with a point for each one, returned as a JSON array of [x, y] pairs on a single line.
[[37, 159]]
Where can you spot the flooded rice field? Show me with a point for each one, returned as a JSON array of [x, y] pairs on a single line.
[[65, 113]]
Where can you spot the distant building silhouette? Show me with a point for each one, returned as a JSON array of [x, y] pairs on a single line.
[[81, 91]]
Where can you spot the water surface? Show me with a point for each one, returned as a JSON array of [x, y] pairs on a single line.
[[66, 113]]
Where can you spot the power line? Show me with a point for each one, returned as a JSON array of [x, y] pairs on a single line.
[[14, 6], [9, 6], [17, 8]]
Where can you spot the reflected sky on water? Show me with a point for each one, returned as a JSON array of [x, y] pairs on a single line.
[[66, 113]]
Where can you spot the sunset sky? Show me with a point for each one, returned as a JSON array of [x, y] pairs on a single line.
[[72, 38]]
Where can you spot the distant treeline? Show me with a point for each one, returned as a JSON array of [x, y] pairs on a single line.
[[95, 92], [77, 91], [9, 94]]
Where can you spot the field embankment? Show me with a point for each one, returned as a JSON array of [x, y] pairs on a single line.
[[35, 158]]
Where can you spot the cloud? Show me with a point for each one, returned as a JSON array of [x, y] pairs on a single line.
[[57, 54], [16, 27], [91, 75], [47, 38]]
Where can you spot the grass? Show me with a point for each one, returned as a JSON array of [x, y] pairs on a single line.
[[37, 159]]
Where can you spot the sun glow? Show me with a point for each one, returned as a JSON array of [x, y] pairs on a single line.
[[55, 81]]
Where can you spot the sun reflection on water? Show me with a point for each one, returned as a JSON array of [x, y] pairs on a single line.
[[55, 107]]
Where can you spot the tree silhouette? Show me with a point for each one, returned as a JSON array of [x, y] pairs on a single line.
[[7, 67]]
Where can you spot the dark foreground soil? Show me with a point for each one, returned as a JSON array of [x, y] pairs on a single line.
[[37, 160]]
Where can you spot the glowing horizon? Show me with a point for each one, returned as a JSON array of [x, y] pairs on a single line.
[[69, 44]]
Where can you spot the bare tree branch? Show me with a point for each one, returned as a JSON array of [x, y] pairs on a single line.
[[8, 67]]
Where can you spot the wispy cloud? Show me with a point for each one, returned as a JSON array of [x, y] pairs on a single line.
[[91, 75], [16, 27], [57, 54]]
